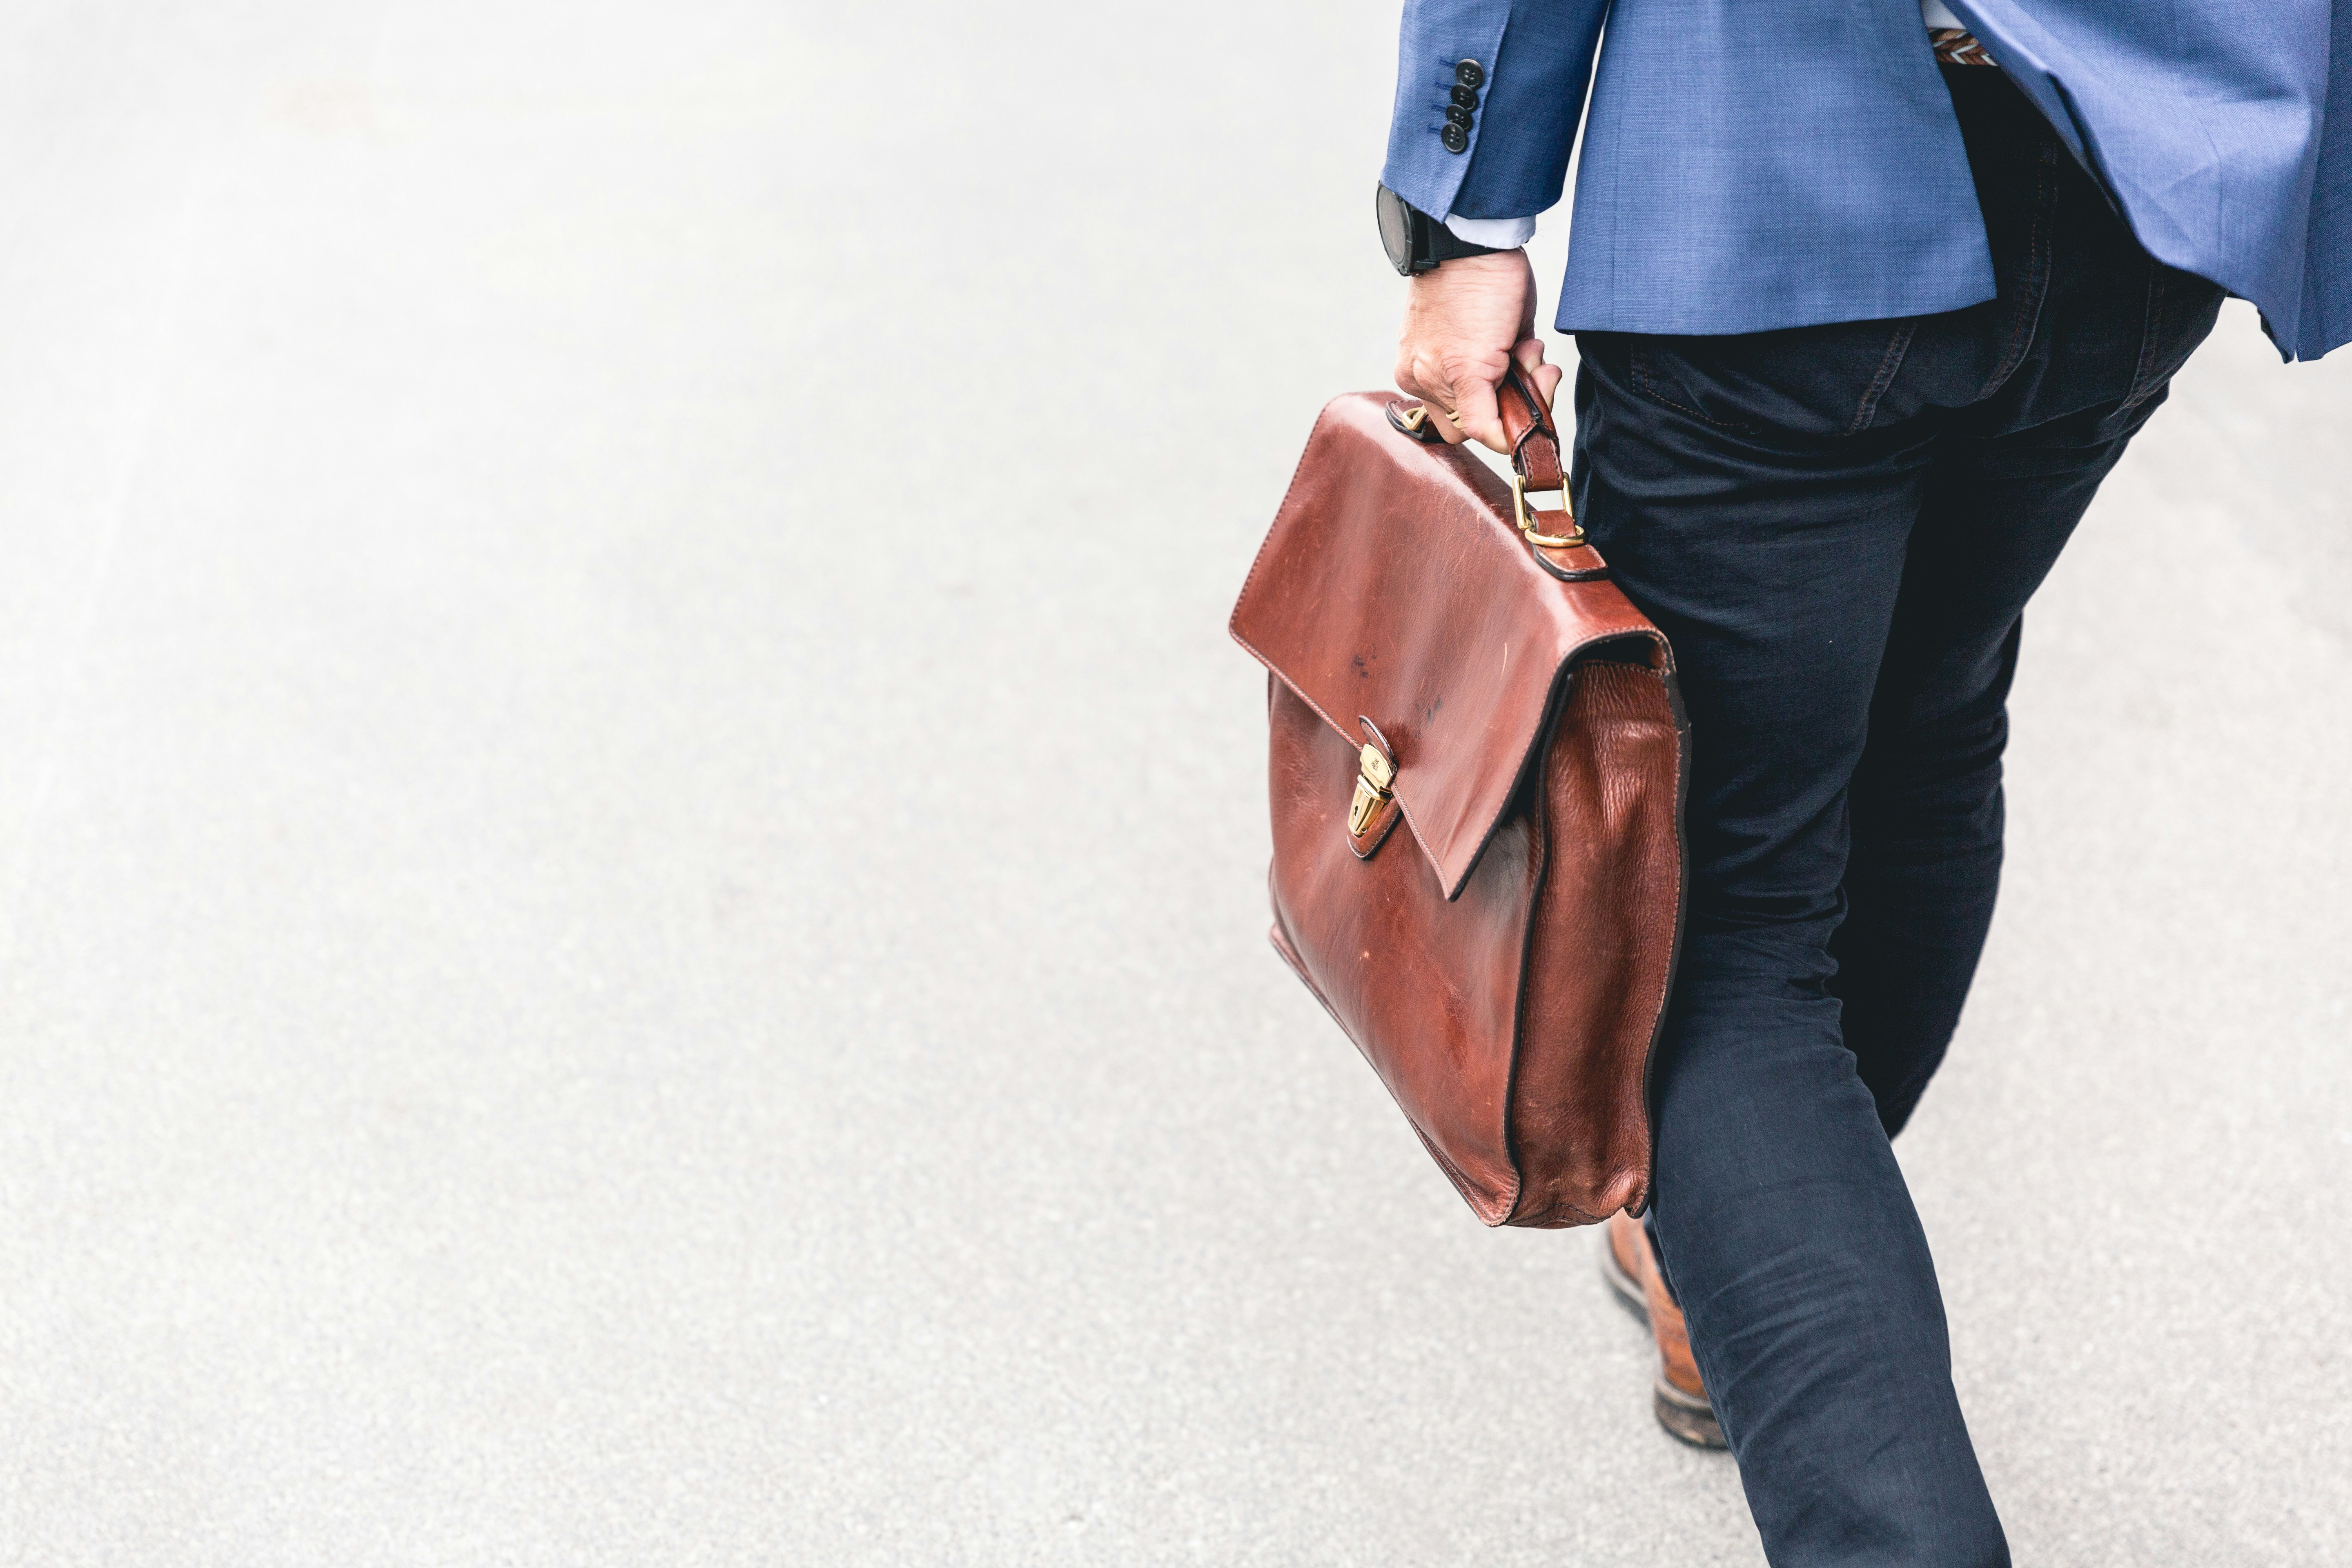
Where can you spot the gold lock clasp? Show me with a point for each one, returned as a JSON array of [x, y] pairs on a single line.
[[1375, 774]]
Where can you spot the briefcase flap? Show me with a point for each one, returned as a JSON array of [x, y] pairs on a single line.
[[1394, 586]]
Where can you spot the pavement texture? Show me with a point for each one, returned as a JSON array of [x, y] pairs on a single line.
[[631, 905]]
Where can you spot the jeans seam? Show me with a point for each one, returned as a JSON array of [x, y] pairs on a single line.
[[2037, 278], [1896, 347], [2143, 375]]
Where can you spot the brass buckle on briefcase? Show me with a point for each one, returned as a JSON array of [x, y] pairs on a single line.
[[1527, 515]]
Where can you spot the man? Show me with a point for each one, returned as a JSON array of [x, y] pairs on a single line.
[[1869, 299]]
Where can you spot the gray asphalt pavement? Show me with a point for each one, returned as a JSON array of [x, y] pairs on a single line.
[[631, 853]]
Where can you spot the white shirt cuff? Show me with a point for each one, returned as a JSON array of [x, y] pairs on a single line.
[[1498, 233]]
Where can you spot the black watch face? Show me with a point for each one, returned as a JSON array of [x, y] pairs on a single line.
[[1396, 229]]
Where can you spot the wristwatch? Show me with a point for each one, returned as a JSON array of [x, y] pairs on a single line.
[[1414, 240]]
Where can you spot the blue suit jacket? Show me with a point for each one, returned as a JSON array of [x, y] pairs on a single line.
[[1786, 163]]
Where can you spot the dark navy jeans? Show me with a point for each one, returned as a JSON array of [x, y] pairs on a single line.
[[1839, 528]]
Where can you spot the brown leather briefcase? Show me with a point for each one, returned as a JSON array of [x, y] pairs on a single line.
[[1436, 656]]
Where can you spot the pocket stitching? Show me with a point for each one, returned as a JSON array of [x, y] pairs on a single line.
[[1647, 386], [1898, 348], [2151, 330]]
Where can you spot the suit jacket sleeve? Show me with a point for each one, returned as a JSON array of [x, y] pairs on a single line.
[[1537, 56]]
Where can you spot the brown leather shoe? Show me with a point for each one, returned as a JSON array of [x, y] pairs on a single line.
[[1679, 1397]]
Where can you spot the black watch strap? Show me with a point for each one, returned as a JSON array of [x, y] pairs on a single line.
[[1444, 245], [1415, 241]]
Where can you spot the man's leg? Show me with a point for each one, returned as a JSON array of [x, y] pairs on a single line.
[[1770, 546], [1782, 1220], [2108, 328], [1927, 808]]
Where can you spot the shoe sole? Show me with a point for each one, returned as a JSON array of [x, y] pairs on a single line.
[[1685, 1419], [1690, 1420]]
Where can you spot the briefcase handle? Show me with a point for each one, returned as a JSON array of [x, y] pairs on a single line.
[[1537, 465], [1536, 461]]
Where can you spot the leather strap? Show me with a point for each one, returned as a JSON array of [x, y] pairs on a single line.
[[1535, 452], [1527, 425]]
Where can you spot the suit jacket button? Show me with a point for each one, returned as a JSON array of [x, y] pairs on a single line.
[[1457, 115], [1463, 97], [1456, 140], [1470, 74]]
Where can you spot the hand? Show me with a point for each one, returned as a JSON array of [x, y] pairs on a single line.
[[1465, 322]]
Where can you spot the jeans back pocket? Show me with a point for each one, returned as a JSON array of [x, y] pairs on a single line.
[[1806, 381]]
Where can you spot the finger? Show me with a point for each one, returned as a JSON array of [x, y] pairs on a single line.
[[1414, 381], [1548, 379], [1530, 355], [1408, 380], [1482, 419]]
